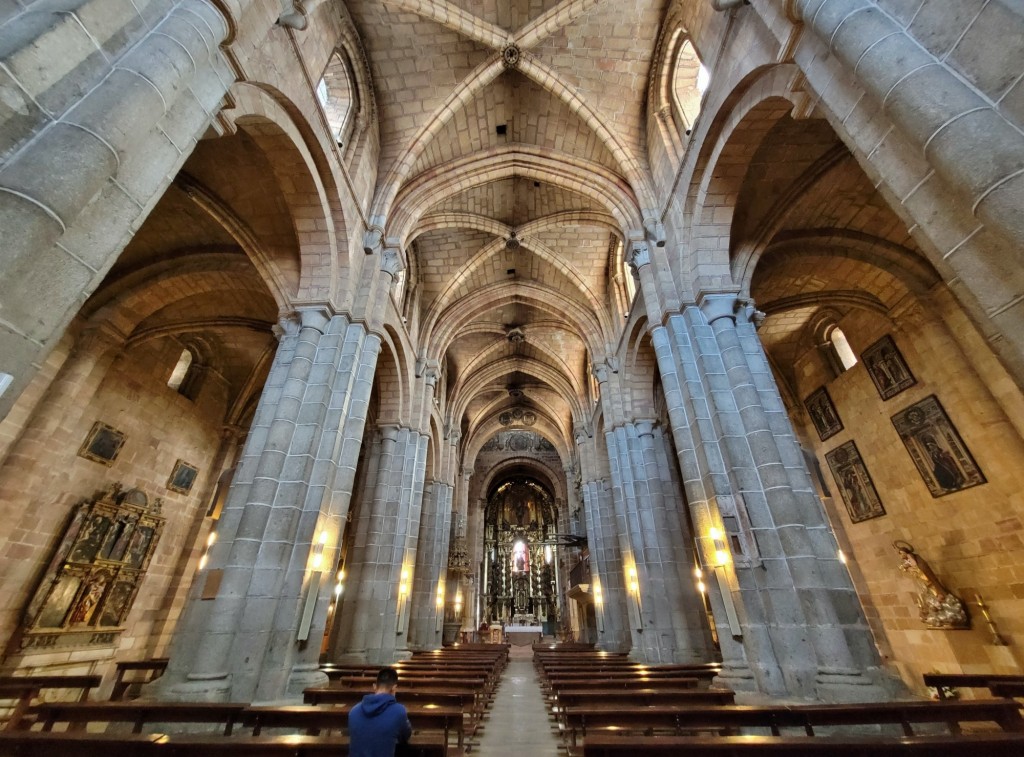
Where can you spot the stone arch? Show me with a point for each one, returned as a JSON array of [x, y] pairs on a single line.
[[390, 382], [438, 334], [463, 392], [554, 480], [305, 180], [539, 164], [761, 99], [495, 247]]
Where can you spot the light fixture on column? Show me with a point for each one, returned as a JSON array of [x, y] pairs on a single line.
[[720, 568], [210, 541], [312, 590], [403, 601], [699, 575], [598, 603], [439, 614]]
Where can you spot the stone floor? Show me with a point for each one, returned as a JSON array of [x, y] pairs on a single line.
[[517, 724]]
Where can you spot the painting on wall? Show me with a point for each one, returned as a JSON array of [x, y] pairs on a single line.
[[103, 444], [942, 458], [182, 477], [92, 579], [854, 482], [887, 368], [823, 414]]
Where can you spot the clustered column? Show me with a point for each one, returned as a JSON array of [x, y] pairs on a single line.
[[666, 624], [605, 556], [247, 633], [374, 616]]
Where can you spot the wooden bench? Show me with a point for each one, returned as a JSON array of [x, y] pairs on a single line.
[[976, 745], [315, 720], [150, 670], [38, 744], [727, 720], [943, 682], [25, 689], [644, 697], [442, 697], [139, 714]]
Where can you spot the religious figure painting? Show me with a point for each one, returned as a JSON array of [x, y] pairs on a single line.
[[182, 477], [103, 444], [854, 482], [887, 368], [942, 458], [823, 414]]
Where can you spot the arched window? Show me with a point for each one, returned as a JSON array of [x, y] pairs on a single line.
[[336, 93], [689, 81], [185, 376], [841, 348]]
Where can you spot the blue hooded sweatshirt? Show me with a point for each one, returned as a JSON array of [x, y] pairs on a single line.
[[376, 725]]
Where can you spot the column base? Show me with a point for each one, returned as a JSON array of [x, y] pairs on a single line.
[[303, 676], [735, 676], [201, 687], [845, 685]]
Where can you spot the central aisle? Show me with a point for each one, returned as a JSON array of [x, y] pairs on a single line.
[[517, 723]]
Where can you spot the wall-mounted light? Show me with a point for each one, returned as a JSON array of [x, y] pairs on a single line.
[[318, 551], [339, 584], [721, 551], [842, 556], [210, 541], [699, 575], [598, 603], [722, 577], [403, 601]]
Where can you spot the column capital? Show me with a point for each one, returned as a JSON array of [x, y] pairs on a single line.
[[719, 305], [644, 426], [639, 254], [454, 437], [389, 432], [391, 260], [100, 337], [466, 473]]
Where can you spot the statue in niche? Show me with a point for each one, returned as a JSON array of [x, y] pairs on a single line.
[[940, 608], [520, 558]]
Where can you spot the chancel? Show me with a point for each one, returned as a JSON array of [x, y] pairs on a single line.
[[623, 338]]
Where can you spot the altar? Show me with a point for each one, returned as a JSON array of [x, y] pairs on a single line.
[[520, 636]]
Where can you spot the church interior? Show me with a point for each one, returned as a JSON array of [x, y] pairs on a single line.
[[339, 332]]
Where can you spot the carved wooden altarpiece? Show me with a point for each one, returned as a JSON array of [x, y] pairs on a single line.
[[90, 583]]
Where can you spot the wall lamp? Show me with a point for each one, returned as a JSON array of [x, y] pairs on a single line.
[[403, 601]]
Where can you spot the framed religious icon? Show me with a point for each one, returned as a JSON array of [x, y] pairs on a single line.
[[854, 483], [103, 444], [93, 577], [182, 477], [941, 457], [887, 368], [823, 414]]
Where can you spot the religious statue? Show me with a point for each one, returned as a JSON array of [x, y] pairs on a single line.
[[940, 608]]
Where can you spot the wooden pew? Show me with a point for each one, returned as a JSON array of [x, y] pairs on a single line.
[[139, 714], [943, 682], [24, 689], [150, 670], [325, 719], [975, 745], [426, 745], [726, 720], [644, 697], [442, 697], [38, 744]]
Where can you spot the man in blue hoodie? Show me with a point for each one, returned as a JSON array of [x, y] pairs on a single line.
[[378, 723]]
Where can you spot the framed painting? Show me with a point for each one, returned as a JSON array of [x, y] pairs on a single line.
[[103, 444], [854, 483], [887, 368], [823, 413], [941, 457], [182, 477]]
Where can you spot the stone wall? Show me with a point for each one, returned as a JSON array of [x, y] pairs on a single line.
[[160, 427], [973, 539]]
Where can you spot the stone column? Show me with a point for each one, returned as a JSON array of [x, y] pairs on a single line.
[[431, 567], [605, 557], [243, 636], [376, 610], [659, 592], [145, 105]]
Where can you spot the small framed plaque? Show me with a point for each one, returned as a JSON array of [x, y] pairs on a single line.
[[103, 444], [182, 477]]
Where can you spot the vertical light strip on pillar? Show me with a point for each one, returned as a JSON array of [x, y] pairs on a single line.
[[721, 567]]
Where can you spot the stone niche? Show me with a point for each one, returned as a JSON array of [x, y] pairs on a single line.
[[90, 583]]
